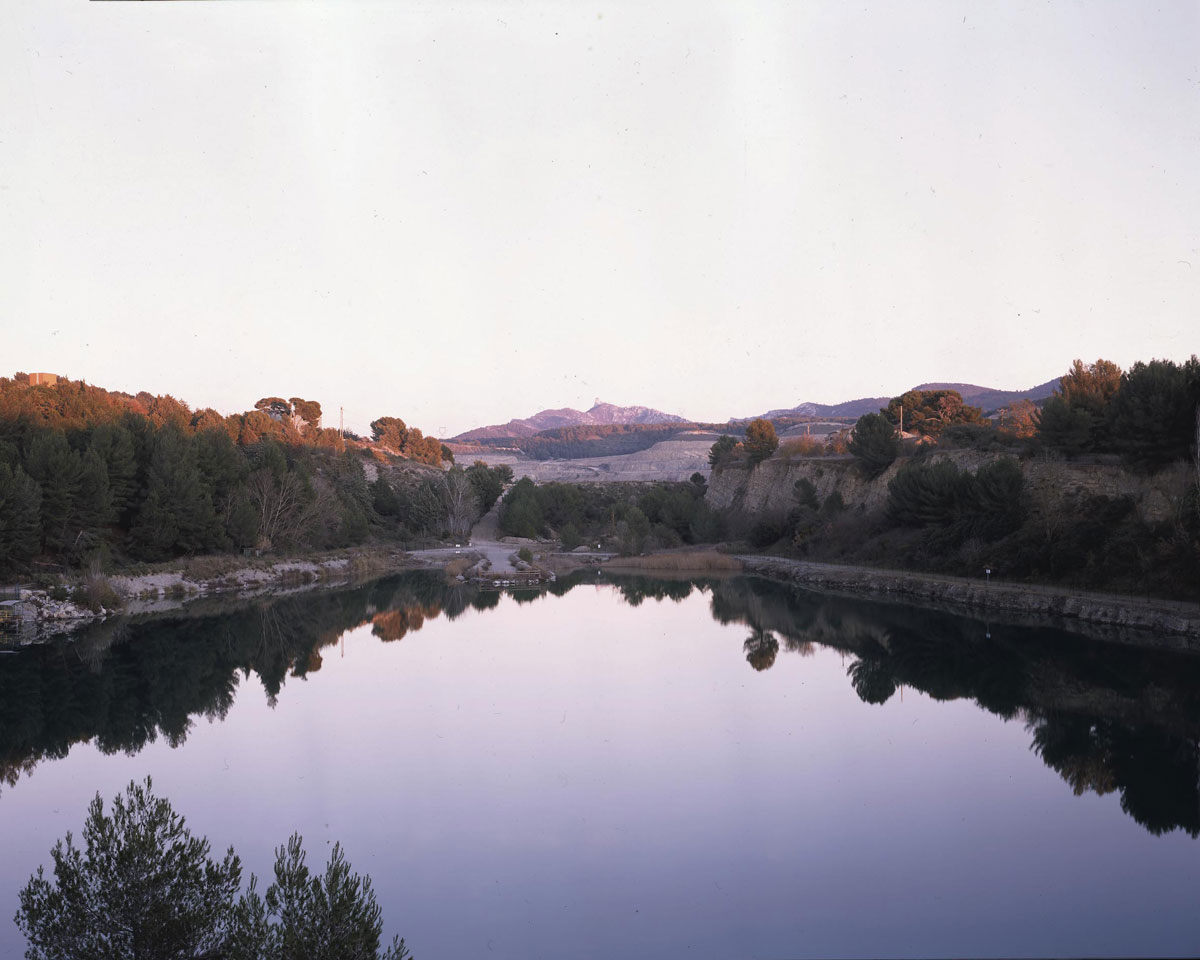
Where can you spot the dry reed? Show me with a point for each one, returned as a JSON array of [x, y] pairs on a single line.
[[689, 560]]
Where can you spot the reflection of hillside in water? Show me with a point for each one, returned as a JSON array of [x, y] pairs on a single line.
[[125, 684], [1105, 717]]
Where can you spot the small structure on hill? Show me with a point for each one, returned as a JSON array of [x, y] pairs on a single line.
[[43, 379]]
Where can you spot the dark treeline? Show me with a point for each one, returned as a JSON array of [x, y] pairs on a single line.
[[632, 516], [91, 476], [1106, 717]]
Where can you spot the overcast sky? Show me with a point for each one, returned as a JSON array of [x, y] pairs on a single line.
[[462, 213]]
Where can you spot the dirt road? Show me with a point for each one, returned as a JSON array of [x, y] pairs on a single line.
[[484, 540]]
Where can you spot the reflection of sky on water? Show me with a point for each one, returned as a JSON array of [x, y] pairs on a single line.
[[579, 777]]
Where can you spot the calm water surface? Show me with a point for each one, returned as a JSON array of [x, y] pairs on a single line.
[[644, 769]]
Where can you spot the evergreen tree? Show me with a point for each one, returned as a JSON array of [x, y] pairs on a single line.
[[521, 513], [177, 514], [142, 886], [114, 444], [94, 504], [929, 412], [421, 511], [722, 451], [761, 440], [1065, 428], [350, 482], [1153, 415], [874, 443], [220, 463], [242, 522], [20, 517], [390, 432], [56, 468], [1075, 419], [384, 499], [995, 506], [155, 530], [487, 483]]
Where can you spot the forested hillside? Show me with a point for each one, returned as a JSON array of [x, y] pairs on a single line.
[[89, 476]]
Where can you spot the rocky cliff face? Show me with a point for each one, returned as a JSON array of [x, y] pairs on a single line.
[[767, 490]]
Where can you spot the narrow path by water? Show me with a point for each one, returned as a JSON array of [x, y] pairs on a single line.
[[485, 540]]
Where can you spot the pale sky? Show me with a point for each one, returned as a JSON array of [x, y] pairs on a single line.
[[460, 213]]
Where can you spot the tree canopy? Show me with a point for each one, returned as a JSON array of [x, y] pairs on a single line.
[[1154, 411], [722, 451], [874, 443], [1075, 418], [760, 441], [142, 886], [929, 412]]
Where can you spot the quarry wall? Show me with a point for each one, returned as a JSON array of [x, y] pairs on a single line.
[[768, 489]]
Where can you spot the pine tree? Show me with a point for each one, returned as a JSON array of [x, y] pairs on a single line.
[[874, 443], [1153, 414], [177, 515], [20, 517], [56, 468], [114, 443], [761, 440], [1075, 419], [94, 504]]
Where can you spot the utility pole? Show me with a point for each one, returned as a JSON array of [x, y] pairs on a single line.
[[342, 422]]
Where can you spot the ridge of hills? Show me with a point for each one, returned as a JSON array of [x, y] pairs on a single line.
[[988, 398], [600, 413]]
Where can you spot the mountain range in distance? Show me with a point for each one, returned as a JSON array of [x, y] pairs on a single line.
[[600, 413], [988, 399]]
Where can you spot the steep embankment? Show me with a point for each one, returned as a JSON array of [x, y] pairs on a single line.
[[1057, 500], [769, 489]]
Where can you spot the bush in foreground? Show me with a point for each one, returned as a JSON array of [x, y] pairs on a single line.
[[143, 886]]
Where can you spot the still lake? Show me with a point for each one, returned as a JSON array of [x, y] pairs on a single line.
[[640, 768]]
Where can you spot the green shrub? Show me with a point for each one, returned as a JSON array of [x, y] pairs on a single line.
[[957, 505], [874, 443], [766, 532], [525, 554], [833, 505], [805, 493]]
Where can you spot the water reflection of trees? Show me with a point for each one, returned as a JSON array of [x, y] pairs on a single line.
[[1105, 717], [761, 649], [126, 684]]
